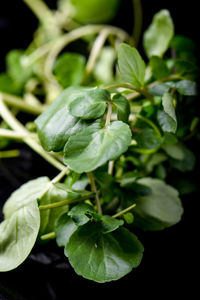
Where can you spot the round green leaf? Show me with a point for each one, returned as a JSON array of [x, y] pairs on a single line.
[[90, 105], [103, 257], [159, 209], [18, 234], [94, 146], [123, 107], [64, 228]]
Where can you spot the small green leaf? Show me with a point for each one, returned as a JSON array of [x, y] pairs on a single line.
[[90, 105], [155, 160], [78, 213], [123, 107], [103, 257], [159, 89], [131, 65], [158, 67], [162, 208], [147, 139], [188, 161], [186, 87], [69, 69], [174, 150], [110, 224], [64, 227], [94, 146], [167, 118], [129, 218], [56, 124], [159, 34], [18, 234], [26, 194], [7, 85]]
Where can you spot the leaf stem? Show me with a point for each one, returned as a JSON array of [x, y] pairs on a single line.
[[60, 175], [109, 114], [21, 104], [65, 202], [16, 125], [40, 9], [168, 78], [128, 86], [47, 236], [124, 211], [137, 26], [9, 153], [94, 189], [10, 134], [111, 167]]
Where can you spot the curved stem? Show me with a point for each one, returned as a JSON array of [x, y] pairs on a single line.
[[47, 236], [131, 87], [137, 27], [75, 34], [10, 134], [94, 189], [122, 212], [65, 202], [157, 131], [21, 104], [40, 9], [16, 125], [109, 114]]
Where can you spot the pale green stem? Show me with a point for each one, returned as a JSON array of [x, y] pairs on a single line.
[[111, 167], [9, 153], [75, 34], [137, 27], [60, 175], [10, 134], [65, 202], [131, 87], [96, 49], [109, 114], [50, 235], [124, 211], [94, 189], [168, 78], [40, 9], [8, 117], [21, 104]]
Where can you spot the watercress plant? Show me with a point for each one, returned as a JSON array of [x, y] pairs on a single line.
[[115, 139]]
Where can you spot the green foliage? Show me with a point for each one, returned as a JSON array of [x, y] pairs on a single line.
[[159, 34], [131, 65], [69, 69], [117, 144]]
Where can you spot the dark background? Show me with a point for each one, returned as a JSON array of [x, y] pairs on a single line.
[[170, 259]]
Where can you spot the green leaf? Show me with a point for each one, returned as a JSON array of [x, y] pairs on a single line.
[[167, 118], [159, 89], [106, 183], [186, 69], [174, 150], [56, 124], [58, 192], [64, 228], [18, 234], [90, 105], [110, 224], [159, 34], [78, 213], [69, 69], [186, 87], [94, 146], [131, 65], [123, 107], [162, 208], [103, 257], [183, 44], [26, 194], [7, 85], [129, 218], [103, 70], [156, 159], [188, 161], [17, 72], [158, 67], [147, 139]]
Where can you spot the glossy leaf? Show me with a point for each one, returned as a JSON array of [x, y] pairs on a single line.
[[56, 124], [64, 228], [131, 65], [159, 34], [26, 194], [123, 107], [147, 139], [18, 234], [110, 224], [94, 146], [174, 150], [162, 208], [69, 69], [188, 161], [90, 105], [78, 213], [103, 257]]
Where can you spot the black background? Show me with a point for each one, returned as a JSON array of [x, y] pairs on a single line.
[[170, 260]]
